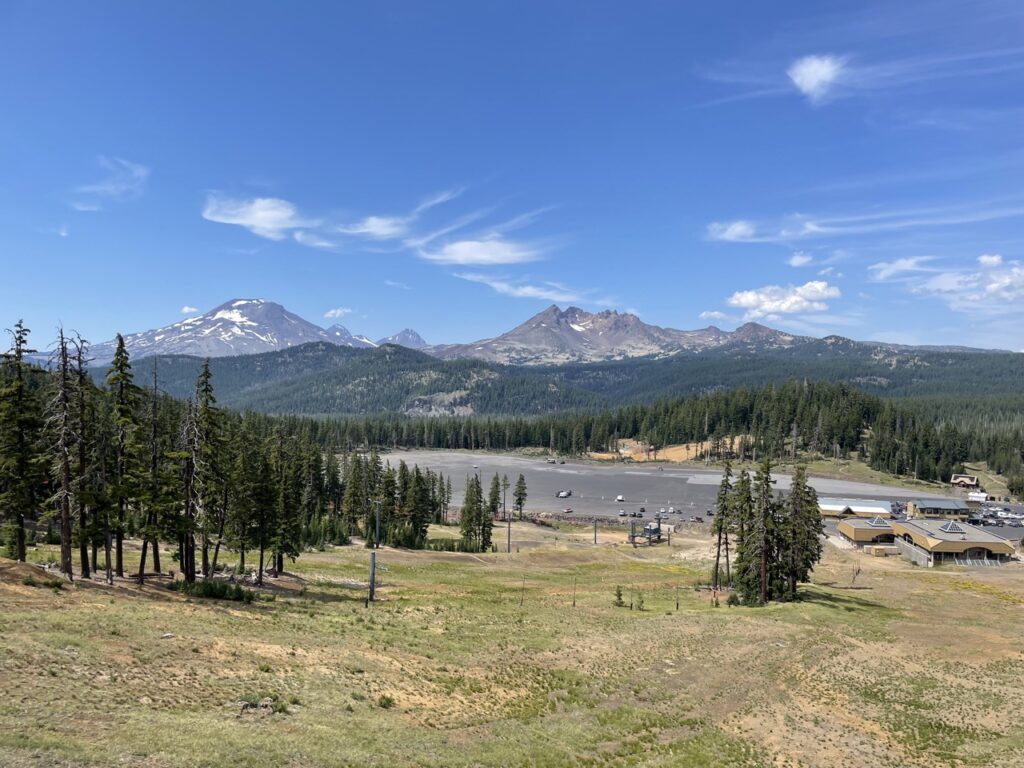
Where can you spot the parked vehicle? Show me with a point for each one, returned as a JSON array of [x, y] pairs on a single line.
[[563, 494], [620, 498], [567, 510], [622, 513], [643, 509], [561, 461], [551, 461], [698, 519]]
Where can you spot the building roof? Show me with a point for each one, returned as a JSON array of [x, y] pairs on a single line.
[[856, 505], [957, 504], [949, 536], [873, 523]]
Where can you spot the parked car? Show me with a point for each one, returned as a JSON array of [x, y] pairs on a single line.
[[567, 510], [693, 519], [639, 514], [561, 461], [643, 509], [620, 498], [551, 461], [622, 513], [698, 519]]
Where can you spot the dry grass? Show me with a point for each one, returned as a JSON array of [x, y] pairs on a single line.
[[488, 663]]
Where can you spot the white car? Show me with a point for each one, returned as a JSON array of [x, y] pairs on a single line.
[[620, 498]]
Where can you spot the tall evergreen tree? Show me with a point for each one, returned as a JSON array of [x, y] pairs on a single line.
[[519, 495], [124, 483], [22, 476]]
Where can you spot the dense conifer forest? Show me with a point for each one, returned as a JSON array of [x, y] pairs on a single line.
[[89, 463]]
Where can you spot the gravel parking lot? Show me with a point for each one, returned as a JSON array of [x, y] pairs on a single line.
[[594, 485]]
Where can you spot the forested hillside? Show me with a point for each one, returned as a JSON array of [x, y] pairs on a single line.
[[321, 378], [324, 379], [814, 418]]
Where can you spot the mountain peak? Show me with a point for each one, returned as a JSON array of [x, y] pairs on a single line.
[[407, 337]]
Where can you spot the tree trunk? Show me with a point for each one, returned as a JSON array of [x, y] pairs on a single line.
[[142, 561], [20, 550], [106, 557], [728, 568], [83, 541], [66, 565], [718, 555], [206, 556], [216, 547], [259, 573], [119, 551], [156, 552], [95, 567]]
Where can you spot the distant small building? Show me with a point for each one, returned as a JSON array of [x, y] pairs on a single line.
[[964, 481], [940, 509], [933, 542], [854, 508], [861, 531]]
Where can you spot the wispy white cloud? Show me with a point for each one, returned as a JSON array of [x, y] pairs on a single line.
[[715, 316], [396, 284], [901, 268], [772, 300], [816, 76], [799, 259], [990, 260], [337, 312], [188, 310], [491, 250], [124, 179], [269, 217], [546, 290], [798, 226], [379, 227], [418, 241], [62, 230], [85, 206], [739, 231], [313, 240], [995, 290], [394, 227], [824, 76]]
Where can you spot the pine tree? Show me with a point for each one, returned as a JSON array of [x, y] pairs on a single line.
[[469, 524], [494, 497], [125, 480], [519, 495], [22, 478], [800, 532], [723, 513], [61, 423]]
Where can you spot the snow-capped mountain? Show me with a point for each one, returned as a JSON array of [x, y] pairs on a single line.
[[573, 335], [341, 335], [238, 327], [405, 338], [242, 327]]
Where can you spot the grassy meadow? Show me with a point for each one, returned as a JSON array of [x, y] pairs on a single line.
[[483, 660]]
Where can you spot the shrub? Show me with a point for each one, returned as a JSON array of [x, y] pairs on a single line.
[[216, 590], [619, 602], [385, 702]]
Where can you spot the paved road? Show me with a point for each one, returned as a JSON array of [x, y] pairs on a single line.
[[595, 485]]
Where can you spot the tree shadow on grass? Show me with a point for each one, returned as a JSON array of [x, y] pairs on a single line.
[[845, 602]]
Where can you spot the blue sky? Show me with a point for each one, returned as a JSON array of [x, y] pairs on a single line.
[[848, 168]]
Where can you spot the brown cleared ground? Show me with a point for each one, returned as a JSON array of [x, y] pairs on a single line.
[[488, 663]]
